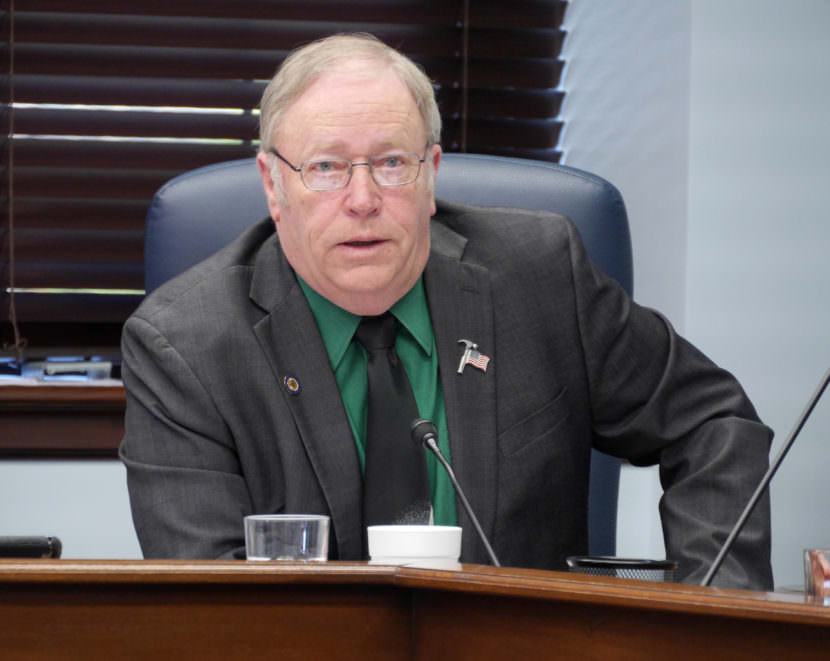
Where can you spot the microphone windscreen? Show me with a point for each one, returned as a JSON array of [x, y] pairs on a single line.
[[421, 430]]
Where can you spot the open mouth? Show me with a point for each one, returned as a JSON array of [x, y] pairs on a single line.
[[363, 244]]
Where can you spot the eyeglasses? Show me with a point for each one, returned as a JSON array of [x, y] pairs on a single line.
[[328, 174]]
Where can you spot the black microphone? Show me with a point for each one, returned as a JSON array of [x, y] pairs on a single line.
[[424, 433], [30, 547], [764, 484]]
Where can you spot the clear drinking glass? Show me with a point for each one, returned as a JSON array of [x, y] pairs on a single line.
[[297, 537]]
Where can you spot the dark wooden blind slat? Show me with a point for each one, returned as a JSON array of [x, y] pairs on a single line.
[[515, 102], [105, 183], [84, 246], [83, 177], [85, 213], [215, 33], [423, 12], [148, 62], [67, 274], [539, 13], [166, 62], [134, 90], [184, 92], [38, 121], [117, 154], [527, 13], [82, 319]]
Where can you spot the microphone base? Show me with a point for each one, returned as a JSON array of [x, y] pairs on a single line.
[[632, 568]]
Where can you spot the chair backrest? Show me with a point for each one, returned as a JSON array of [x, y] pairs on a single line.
[[198, 212]]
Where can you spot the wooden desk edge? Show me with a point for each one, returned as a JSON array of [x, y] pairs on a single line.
[[52, 397], [471, 579]]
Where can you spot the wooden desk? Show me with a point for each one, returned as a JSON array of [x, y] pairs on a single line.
[[65, 609], [61, 421]]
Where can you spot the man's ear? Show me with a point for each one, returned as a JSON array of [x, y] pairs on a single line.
[[434, 157], [262, 161]]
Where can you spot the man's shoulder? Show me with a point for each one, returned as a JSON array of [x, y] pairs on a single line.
[[485, 229], [497, 220], [223, 276]]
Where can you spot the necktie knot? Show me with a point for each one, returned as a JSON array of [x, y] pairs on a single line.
[[376, 333]]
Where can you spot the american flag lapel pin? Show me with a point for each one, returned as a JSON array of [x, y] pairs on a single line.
[[472, 356]]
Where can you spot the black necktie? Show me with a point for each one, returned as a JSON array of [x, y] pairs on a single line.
[[396, 486]]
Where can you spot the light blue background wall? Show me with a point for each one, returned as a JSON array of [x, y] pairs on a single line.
[[758, 286], [712, 117], [627, 118], [84, 503]]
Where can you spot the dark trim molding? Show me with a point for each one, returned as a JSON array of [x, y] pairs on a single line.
[[61, 421]]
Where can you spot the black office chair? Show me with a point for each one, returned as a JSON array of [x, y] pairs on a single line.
[[195, 214]]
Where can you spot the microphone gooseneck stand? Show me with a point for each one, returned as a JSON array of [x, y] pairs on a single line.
[[762, 486], [424, 433]]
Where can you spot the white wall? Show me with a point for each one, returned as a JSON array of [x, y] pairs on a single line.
[[743, 203], [626, 118], [758, 294], [83, 503]]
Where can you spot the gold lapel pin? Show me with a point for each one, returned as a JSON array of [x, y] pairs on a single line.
[[292, 384]]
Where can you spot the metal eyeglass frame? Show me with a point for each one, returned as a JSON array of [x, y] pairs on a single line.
[[352, 165]]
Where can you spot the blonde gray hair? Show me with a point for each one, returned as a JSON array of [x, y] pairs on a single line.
[[303, 66]]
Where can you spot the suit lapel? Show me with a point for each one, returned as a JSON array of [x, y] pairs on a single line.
[[292, 344], [461, 307]]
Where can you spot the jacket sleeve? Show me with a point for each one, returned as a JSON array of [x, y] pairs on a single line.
[[187, 492], [656, 399]]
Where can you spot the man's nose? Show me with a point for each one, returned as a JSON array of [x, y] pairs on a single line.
[[364, 192]]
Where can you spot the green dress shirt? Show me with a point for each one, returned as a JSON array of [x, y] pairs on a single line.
[[415, 345]]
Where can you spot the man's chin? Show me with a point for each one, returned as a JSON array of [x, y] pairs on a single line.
[[364, 300]]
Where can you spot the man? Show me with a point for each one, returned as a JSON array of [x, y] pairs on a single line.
[[247, 378]]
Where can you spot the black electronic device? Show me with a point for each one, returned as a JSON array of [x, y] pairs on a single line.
[[639, 569], [30, 547]]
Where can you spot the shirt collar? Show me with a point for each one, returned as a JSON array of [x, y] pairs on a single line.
[[337, 326]]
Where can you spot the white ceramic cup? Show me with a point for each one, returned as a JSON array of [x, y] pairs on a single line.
[[296, 537], [433, 546]]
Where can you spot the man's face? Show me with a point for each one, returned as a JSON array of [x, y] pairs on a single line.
[[363, 246]]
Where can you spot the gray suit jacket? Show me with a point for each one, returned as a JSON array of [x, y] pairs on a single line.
[[212, 434]]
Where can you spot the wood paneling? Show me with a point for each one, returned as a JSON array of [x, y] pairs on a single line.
[[222, 610], [61, 421]]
